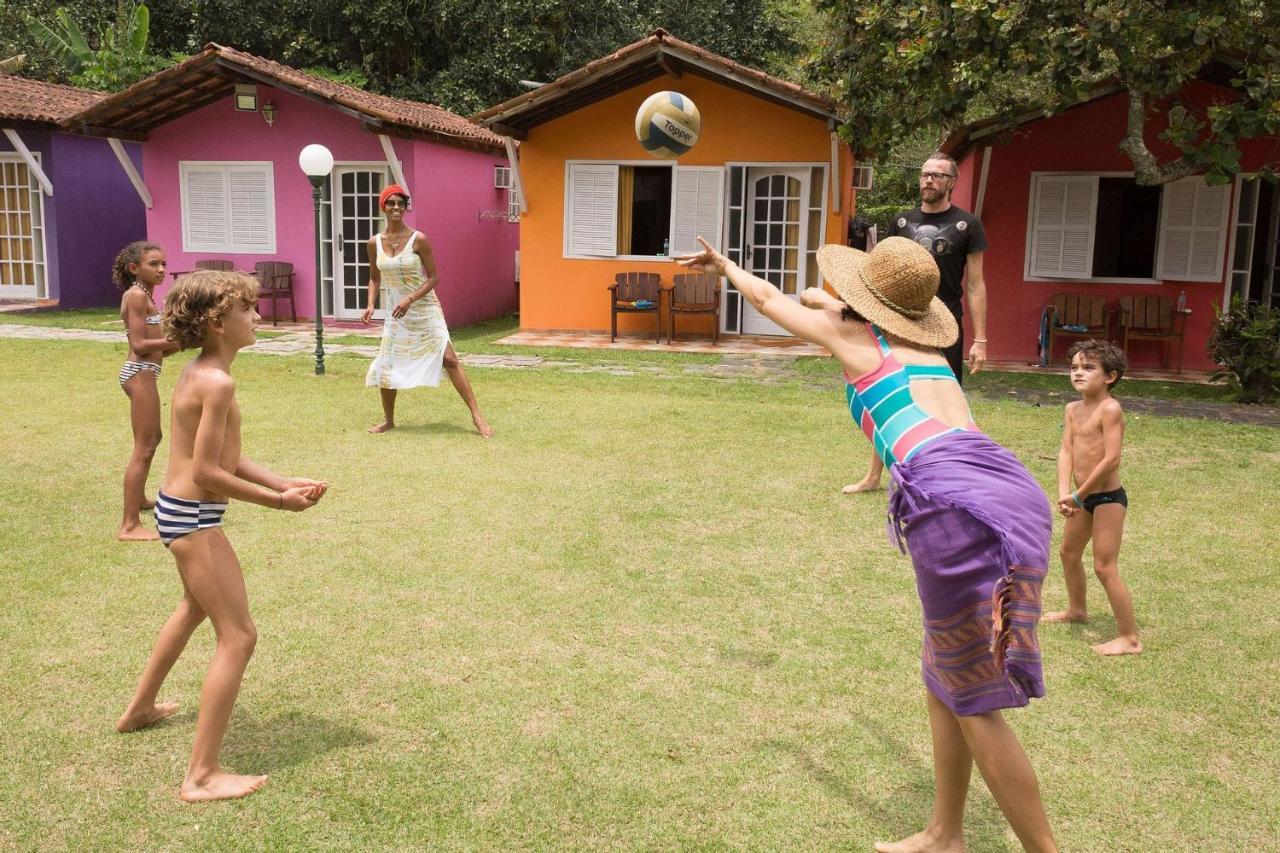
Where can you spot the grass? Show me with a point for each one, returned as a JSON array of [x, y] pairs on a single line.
[[642, 617]]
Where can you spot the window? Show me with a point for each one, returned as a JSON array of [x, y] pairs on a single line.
[[228, 207], [621, 210], [1085, 226]]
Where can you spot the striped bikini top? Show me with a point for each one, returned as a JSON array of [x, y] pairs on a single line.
[[880, 402]]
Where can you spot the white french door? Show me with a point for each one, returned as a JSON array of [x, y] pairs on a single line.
[[355, 219], [22, 260], [777, 232]]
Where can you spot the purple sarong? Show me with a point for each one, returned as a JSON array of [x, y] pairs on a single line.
[[977, 527]]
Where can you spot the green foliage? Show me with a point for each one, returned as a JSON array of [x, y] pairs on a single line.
[[1246, 342], [901, 65], [120, 56]]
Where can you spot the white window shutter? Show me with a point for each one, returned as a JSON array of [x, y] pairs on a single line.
[[699, 203], [204, 208], [591, 225], [1193, 230], [252, 221], [1063, 216]]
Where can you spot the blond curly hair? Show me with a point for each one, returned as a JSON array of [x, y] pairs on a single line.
[[201, 297]]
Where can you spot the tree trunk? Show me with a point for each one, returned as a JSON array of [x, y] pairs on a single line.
[[1147, 170]]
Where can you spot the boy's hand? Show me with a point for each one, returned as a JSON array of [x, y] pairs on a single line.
[[297, 499], [1067, 506]]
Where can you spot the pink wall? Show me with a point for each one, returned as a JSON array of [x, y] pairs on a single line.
[[450, 187], [1083, 139]]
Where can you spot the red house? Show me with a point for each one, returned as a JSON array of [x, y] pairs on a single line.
[[1064, 215]]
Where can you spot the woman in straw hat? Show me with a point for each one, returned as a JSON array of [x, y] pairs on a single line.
[[974, 521], [415, 339]]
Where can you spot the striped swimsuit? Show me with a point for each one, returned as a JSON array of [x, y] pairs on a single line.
[[880, 402], [133, 368], [176, 517]]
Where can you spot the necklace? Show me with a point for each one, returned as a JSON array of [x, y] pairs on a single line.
[[396, 245]]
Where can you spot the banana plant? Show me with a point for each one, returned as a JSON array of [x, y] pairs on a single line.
[[120, 56]]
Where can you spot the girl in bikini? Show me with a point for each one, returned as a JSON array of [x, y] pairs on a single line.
[[137, 270]]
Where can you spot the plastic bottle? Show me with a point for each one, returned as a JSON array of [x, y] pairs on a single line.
[[666, 247], [1182, 301]]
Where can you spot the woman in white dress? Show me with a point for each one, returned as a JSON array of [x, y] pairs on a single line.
[[415, 339]]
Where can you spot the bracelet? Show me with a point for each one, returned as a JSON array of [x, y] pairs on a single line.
[[281, 495], [979, 340], [1075, 496]]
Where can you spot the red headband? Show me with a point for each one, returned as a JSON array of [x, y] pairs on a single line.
[[393, 189]]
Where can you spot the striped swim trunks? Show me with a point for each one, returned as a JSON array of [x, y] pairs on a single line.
[[176, 517], [133, 368]]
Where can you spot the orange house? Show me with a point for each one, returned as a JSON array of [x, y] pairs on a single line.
[[767, 182]]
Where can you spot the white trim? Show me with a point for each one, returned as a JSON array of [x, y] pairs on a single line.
[[1234, 226], [514, 161], [393, 161], [30, 159], [228, 247], [41, 288], [117, 148]]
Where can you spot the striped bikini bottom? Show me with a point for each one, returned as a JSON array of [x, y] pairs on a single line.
[[133, 368], [176, 517]]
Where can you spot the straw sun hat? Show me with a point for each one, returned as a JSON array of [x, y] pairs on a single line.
[[893, 286]]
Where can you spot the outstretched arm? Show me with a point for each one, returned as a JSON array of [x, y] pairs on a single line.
[[814, 326]]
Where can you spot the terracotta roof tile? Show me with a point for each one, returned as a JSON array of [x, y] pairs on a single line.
[[33, 100]]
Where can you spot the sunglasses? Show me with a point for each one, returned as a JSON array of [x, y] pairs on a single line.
[[395, 202], [935, 176]]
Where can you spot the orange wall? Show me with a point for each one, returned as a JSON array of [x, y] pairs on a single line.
[[569, 293]]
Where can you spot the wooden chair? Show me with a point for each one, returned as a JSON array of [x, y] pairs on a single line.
[[220, 266], [1074, 309], [1151, 318], [694, 293], [275, 279], [631, 287]]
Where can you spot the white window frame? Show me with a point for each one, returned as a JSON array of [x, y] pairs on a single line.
[[1031, 215], [42, 280], [1221, 227], [1234, 228], [568, 206], [231, 248]]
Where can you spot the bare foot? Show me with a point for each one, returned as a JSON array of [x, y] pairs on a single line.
[[220, 786], [921, 842], [382, 427], [1065, 616], [861, 486], [147, 503], [1120, 646], [482, 426], [137, 533], [134, 720]]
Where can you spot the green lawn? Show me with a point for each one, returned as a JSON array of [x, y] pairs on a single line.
[[641, 617]]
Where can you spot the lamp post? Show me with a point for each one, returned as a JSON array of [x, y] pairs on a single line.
[[317, 162]]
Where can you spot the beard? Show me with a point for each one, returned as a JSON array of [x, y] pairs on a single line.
[[930, 195]]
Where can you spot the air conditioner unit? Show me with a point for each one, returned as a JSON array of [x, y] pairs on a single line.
[[502, 177], [863, 177]]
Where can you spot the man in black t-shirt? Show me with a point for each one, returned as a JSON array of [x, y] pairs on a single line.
[[956, 240]]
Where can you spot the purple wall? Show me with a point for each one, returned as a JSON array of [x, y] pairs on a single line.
[[450, 186], [93, 212]]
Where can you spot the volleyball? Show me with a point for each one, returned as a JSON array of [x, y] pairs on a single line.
[[668, 124]]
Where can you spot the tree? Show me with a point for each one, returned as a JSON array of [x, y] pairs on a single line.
[[120, 57], [902, 65]]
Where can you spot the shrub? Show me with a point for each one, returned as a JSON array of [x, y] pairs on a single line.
[[1246, 344]]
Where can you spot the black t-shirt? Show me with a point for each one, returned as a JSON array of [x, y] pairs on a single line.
[[950, 236]]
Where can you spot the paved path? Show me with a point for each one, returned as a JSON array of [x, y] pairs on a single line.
[[770, 369]]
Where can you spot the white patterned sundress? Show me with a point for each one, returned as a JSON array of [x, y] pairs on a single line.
[[412, 350]]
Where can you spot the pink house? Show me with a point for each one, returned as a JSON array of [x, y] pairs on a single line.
[[221, 134], [1064, 215]]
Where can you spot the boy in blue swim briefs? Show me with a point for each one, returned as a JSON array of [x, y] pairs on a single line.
[[1092, 438], [215, 311]]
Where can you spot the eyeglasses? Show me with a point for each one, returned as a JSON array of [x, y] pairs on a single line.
[[935, 176], [393, 202]]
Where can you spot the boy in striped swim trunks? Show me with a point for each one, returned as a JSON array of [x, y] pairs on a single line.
[[1092, 438], [215, 311]]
